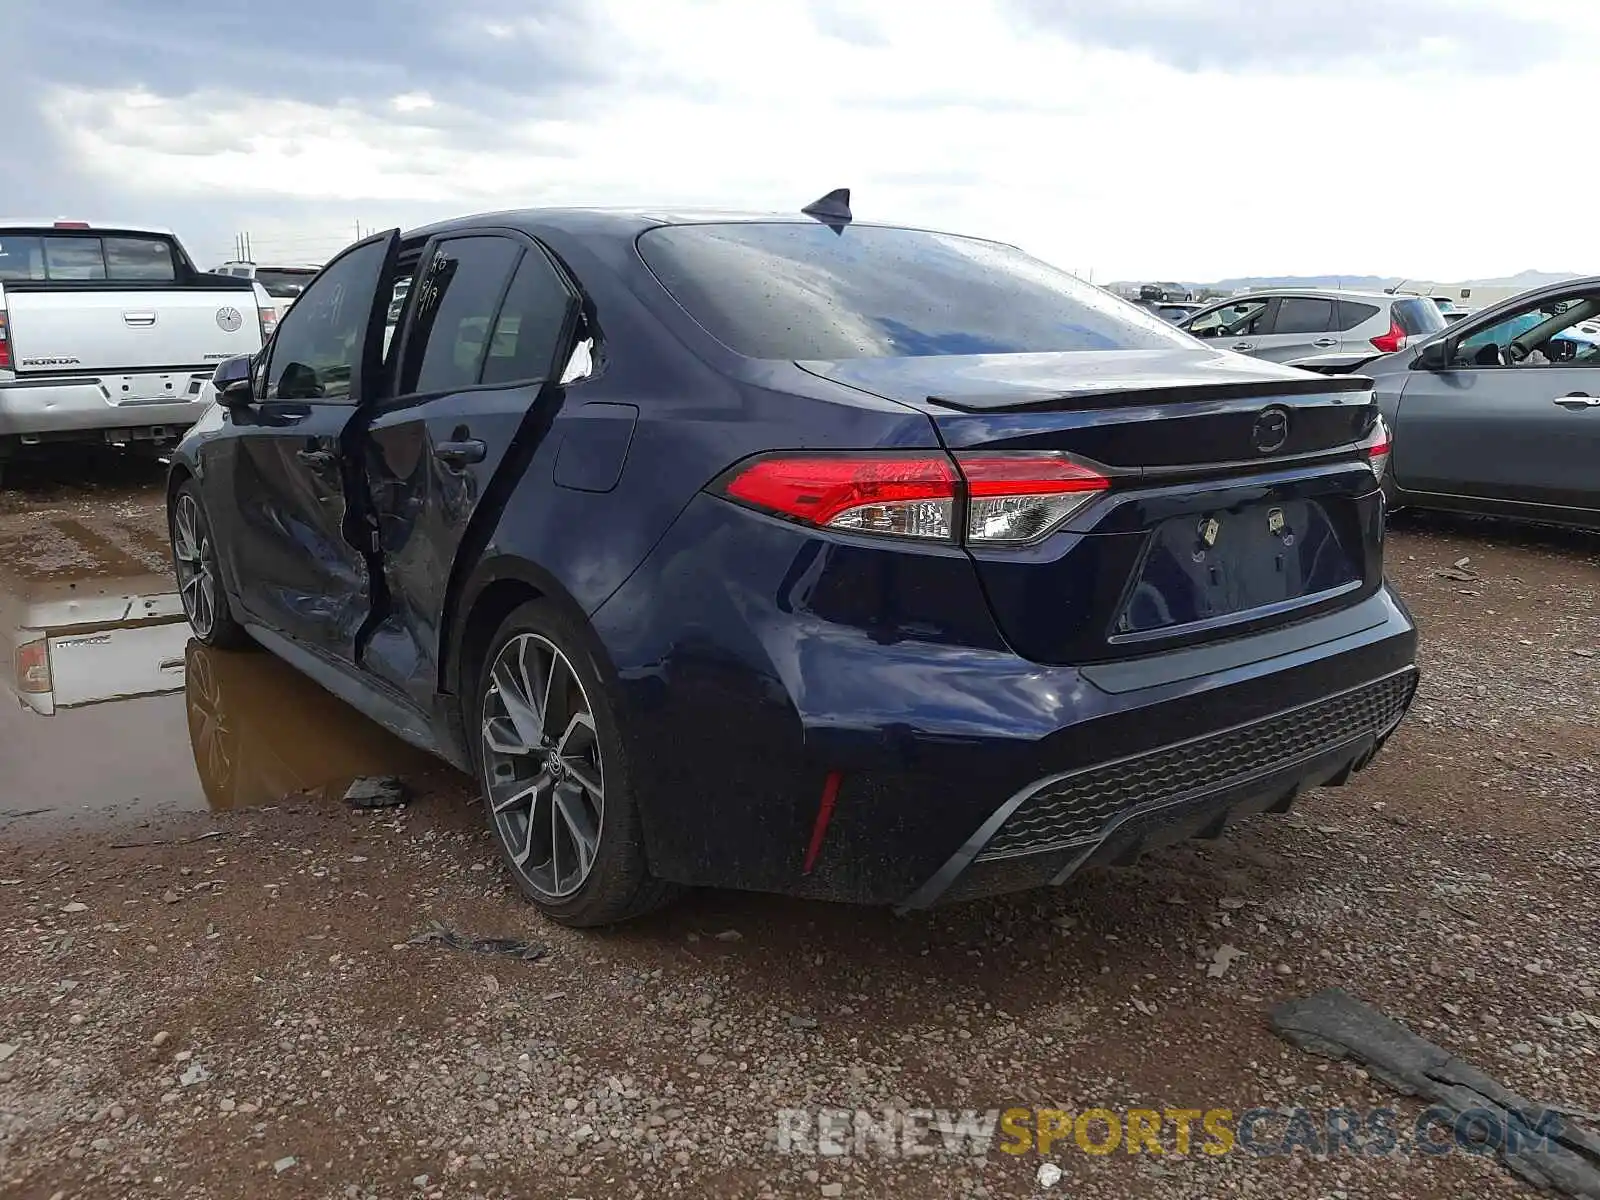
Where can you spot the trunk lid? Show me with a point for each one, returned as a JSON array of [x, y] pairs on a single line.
[[1240, 499], [1130, 409], [62, 330]]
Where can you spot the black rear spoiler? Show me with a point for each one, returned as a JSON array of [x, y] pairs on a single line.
[[1135, 392]]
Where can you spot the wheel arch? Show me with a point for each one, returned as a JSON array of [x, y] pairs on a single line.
[[496, 586]]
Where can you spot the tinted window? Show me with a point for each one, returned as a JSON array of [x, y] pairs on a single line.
[[1302, 314], [1419, 316], [1353, 313], [319, 340], [21, 257], [73, 258], [527, 333], [69, 257], [138, 258], [285, 285], [460, 291], [780, 290]]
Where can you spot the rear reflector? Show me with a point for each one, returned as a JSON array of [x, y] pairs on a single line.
[[1019, 498], [1010, 499], [33, 667], [897, 495]]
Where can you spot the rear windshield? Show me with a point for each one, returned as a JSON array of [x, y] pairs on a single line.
[[285, 285], [1418, 317], [76, 256], [802, 291]]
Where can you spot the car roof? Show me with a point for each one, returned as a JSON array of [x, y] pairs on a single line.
[[1322, 294], [628, 222], [73, 225]]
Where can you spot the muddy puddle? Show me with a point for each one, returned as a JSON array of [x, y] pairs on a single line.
[[110, 713]]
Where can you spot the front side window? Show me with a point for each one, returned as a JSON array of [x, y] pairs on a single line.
[[1546, 334], [1231, 320], [793, 290], [320, 339]]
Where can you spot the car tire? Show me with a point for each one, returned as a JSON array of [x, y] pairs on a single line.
[[559, 801], [194, 562]]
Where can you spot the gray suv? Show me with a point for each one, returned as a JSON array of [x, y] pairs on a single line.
[[1326, 330]]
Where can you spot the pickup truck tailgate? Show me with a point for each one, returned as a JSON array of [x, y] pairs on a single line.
[[64, 330]]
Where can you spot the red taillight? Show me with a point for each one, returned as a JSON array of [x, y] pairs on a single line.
[[1011, 499], [899, 495], [72, 225], [1018, 498], [1377, 448], [1394, 340], [5, 344], [33, 667], [269, 322]]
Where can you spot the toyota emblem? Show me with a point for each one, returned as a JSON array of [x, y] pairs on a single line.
[[229, 320], [1271, 431]]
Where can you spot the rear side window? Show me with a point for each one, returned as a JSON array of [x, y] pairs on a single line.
[[801, 291], [79, 257], [1419, 316], [528, 332], [1353, 313], [1303, 314], [461, 290]]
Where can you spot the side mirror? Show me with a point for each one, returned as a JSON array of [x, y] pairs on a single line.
[[232, 381], [1435, 356]]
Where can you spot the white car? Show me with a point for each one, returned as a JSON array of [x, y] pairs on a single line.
[[108, 332]]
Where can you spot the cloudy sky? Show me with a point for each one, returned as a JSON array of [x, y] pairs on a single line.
[[1187, 139]]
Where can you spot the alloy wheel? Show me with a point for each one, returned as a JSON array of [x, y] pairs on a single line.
[[543, 766], [197, 580]]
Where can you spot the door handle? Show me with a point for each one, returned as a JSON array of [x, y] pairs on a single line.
[[1578, 401], [1243, 346], [317, 460], [1326, 342], [460, 454]]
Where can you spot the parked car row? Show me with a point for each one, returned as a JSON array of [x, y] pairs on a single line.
[[1317, 330]]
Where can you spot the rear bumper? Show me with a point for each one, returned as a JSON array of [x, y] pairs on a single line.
[[1114, 812], [750, 671], [31, 407]]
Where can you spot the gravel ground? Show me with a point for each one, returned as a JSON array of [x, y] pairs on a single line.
[[232, 1004]]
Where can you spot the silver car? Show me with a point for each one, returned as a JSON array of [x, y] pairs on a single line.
[[1327, 330]]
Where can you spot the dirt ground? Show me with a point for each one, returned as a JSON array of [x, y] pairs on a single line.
[[211, 987]]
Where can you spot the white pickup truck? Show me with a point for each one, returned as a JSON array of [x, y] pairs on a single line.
[[108, 333]]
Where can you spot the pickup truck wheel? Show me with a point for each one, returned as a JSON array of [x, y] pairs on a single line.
[[555, 774], [194, 561]]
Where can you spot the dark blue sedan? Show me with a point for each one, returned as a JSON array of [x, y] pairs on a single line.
[[802, 555]]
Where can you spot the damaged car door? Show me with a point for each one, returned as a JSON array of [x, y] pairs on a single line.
[[300, 537], [492, 316]]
